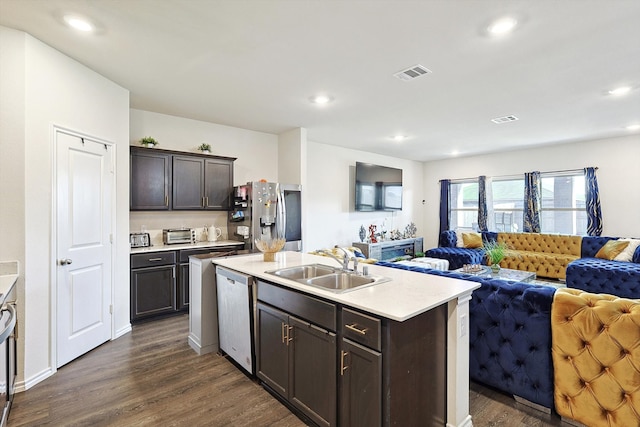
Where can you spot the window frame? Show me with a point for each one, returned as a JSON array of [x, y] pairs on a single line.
[[578, 173], [452, 209]]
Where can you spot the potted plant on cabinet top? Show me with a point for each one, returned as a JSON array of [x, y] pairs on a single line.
[[205, 148], [495, 252], [148, 142]]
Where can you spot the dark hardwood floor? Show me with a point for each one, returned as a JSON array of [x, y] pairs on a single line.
[[151, 377]]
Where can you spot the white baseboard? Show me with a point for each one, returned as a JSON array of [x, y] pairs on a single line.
[[122, 331], [30, 382], [466, 422]]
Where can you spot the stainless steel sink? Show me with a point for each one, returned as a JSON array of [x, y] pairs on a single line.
[[303, 272], [328, 278]]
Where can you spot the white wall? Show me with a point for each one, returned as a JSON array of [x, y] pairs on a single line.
[[617, 159], [12, 157], [331, 218], [292, 149], [256, 153], [59, 91]]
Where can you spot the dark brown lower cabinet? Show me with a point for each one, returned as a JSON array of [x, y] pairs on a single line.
[[153, 291], [297, 360], [273, 352], [371, 372], [360, 385]]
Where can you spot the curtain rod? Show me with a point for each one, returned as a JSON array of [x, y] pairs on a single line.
[[508, 176]]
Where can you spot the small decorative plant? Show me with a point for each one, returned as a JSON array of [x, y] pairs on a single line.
[[148, 141], [495, 252], [204, 148]]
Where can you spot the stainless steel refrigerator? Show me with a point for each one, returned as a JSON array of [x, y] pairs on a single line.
[[265, 210]]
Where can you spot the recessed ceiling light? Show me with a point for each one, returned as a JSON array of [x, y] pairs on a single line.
[[619, 91], [502, 26], [399, 138], [633, 127], [78, 23], [321, 99]]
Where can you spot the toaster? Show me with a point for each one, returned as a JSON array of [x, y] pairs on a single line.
[[139, 240]]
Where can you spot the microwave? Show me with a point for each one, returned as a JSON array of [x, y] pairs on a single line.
[[178, 235]]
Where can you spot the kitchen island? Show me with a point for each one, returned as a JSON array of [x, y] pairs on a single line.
[[421, 322]]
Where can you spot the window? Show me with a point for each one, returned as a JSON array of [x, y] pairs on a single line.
[[463, 211], [563, 203], [563, 207], [508, 204]]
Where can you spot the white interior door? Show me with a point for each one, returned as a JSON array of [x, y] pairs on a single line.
[[84, 266]]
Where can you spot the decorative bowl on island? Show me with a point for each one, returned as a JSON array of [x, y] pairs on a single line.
[[270, 247]]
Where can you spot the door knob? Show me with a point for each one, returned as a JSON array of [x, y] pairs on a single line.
[[66, 261]]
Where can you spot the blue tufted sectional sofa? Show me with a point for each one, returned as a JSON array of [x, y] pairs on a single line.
[[509, 335], [510, 322], [601, 276]]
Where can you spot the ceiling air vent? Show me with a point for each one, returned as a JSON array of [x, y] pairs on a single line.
[[412, 73], [504, 119]]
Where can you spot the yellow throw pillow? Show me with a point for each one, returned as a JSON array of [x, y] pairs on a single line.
[[611, 249], [472, 240]]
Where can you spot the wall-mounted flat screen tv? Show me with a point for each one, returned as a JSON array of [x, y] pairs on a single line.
[[378, 188]]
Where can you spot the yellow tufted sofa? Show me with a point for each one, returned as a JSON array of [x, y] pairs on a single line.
[[596, 358], [545, 254]]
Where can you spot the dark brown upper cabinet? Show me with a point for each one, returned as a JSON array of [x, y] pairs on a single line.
[[201, 183], [166, 180], [150, 176]]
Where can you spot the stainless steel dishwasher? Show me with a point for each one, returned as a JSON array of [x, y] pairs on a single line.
[[234, 291]]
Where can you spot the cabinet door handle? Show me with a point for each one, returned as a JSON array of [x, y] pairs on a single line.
[[343, 368], [207, 201], [155, 259], [353, 328], [289, 339], [166, 200], [282, 331]]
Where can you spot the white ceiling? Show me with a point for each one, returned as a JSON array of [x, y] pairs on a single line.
[[254, 64]]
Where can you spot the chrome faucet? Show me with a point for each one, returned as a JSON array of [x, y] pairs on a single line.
[[344, 261]]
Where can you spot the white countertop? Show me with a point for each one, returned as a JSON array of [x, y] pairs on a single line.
[[9, 272], [405, 296], [199, 245]]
